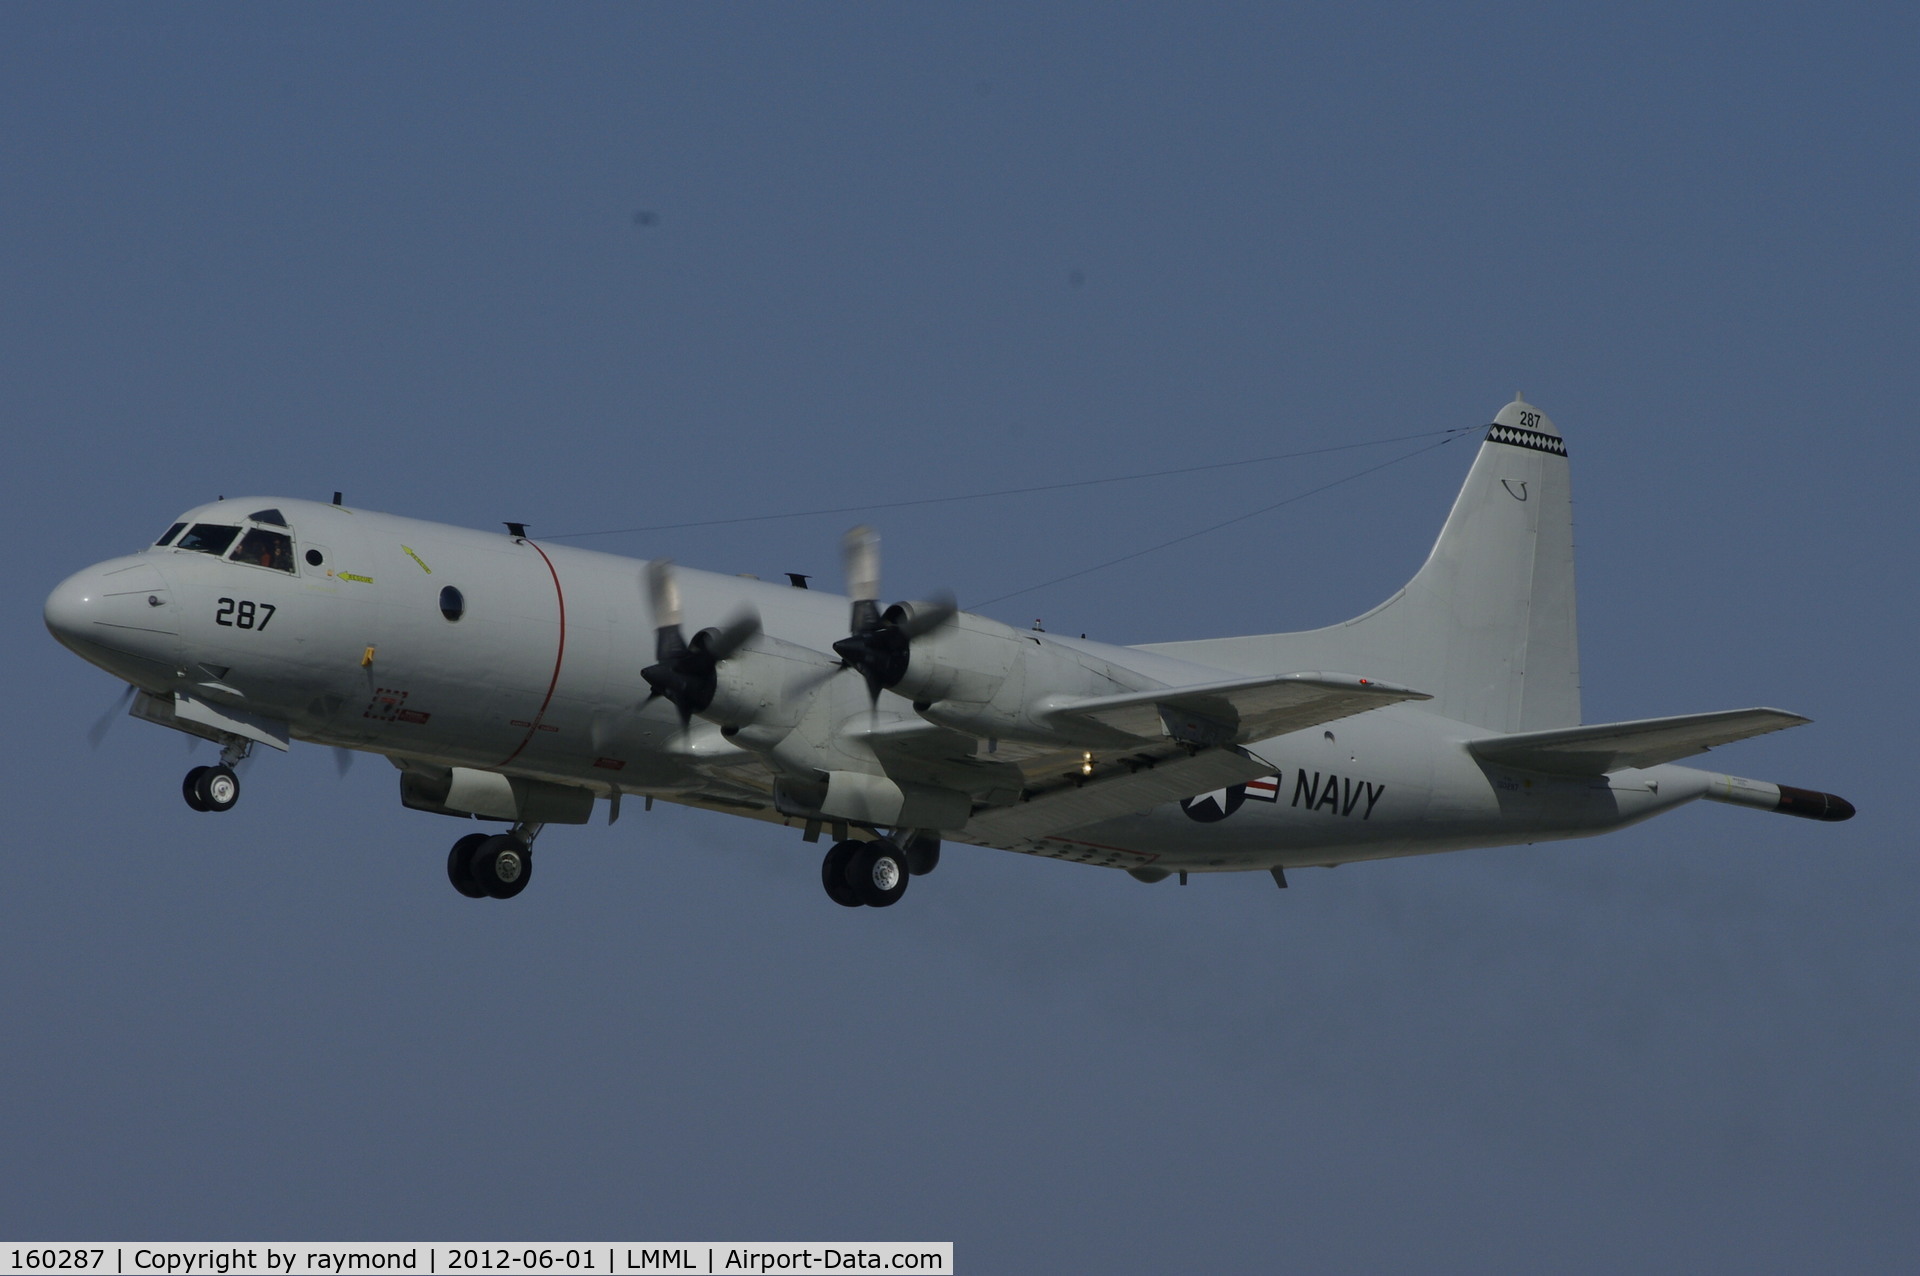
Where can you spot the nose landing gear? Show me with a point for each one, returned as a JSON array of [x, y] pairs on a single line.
[[216, 788], [498, 866], [211, 788]]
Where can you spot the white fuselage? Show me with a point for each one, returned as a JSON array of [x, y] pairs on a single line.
[[539, 676]]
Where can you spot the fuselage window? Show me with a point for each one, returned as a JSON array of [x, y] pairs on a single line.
[[171, 533], [452, 605], [266, 549], [315, 558], [208, 538], [274, 517]]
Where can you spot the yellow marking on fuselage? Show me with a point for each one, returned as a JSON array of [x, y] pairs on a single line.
[[364, 580], [416, 558]]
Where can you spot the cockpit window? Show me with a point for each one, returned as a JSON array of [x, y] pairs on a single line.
[[171, 533], [269, 516], [208, 538], [266, 549]]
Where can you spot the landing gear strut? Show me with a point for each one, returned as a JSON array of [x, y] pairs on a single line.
[[497, 866], [870, 873]]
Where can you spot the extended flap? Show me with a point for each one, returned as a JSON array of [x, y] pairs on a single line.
[[1077, 806], [1237, 711], [1614, 746]]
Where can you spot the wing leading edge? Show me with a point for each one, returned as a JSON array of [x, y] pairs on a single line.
[[1236, 711]]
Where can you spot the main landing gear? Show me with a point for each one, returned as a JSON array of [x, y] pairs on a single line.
[[871, 873], [875, 873], [215, 788], [497, 866]]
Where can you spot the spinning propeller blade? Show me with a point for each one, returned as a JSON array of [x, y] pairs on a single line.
[[663, 600], [860, 553], [98, 731], [879, 643], [684, 673]]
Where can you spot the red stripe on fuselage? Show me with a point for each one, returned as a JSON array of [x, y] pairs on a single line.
[[559, 654]]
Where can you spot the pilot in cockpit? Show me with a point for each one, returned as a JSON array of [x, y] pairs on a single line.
[[268, 549]]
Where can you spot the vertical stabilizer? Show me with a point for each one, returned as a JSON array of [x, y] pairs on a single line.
[[1487, 626]]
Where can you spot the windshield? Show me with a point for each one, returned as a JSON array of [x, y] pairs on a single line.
[[208, 538], [171, 533], [266, 549]]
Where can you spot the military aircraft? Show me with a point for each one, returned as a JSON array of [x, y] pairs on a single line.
[[517, 681]]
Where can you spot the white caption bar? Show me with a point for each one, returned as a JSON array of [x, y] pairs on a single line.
[[594, 1258]]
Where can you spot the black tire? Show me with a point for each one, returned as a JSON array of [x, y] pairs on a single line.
[[501, 866], [190, 788], [460, 866], [217, 787], [923, 853], [878, 874], [833, 874]]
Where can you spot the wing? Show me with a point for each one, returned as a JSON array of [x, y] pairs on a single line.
[[1237, 711], [1120, 754], [1612, 746], [1120, 792]]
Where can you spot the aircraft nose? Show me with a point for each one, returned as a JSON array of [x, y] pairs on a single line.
[[72, 606], [120, 603]]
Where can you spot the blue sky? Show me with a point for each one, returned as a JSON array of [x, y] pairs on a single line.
[[612, 266]]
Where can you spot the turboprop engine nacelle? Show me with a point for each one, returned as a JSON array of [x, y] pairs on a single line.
[[762, 691], [988, 679]]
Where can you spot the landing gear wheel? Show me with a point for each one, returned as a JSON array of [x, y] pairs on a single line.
[[217, 788], [190, 788], [501, 866], [878, 874], [833, 874], [460, 866]]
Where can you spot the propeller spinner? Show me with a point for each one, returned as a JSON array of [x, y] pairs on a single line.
[[684, 673], [880, 644]]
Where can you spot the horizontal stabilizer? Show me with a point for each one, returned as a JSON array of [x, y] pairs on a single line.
[[1237, 711], [1614, 746]]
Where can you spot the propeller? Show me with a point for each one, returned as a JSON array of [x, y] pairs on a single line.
[[880, 643], [98, 731], [683, 672]]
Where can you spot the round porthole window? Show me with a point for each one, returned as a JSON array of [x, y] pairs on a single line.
[[452, 605], [314, 558]]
